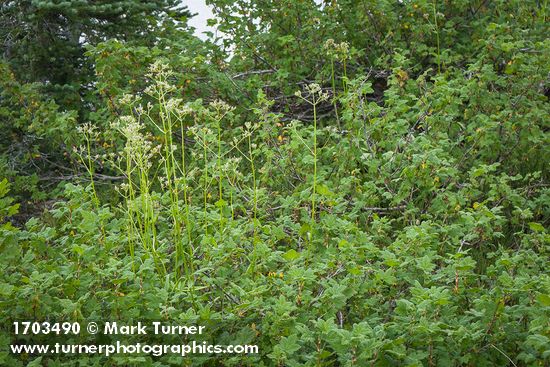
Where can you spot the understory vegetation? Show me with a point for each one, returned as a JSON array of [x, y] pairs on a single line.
[[352, 183]]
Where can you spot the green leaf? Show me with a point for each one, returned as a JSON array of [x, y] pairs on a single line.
[[291, 255], [544, 299], [89, 221], [342, 244], [289, 344], [537, 227], [35, 363], [324, 190], [221, 203], [6, 289]]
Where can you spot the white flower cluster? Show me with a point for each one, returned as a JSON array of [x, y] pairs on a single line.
[[138, 146], [88, 130], [338, 50], [315, 94]]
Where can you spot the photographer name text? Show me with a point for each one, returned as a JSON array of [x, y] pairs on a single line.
[[156, 328]]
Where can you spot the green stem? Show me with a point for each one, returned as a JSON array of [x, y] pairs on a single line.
[[437, 38], [129, 211], [95, 198], [185, 202], [334, 91], [314, 161], [255, 201], [344, 82], [205, 188], [220, 174], [171, 177]]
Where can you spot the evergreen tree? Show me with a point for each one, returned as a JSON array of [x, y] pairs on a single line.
[[44, 40]]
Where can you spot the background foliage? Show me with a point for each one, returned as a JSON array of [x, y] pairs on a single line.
[[372, 191]]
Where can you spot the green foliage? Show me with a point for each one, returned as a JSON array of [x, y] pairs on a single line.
[[44, 40], [372, 198], [33, 131]]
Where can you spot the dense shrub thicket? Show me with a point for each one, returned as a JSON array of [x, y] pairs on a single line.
[[352, 183]]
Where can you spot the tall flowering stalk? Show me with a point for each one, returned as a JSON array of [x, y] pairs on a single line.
[[220, 110], [170, 112], [135, 161], [84, 153], [314, 97]]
